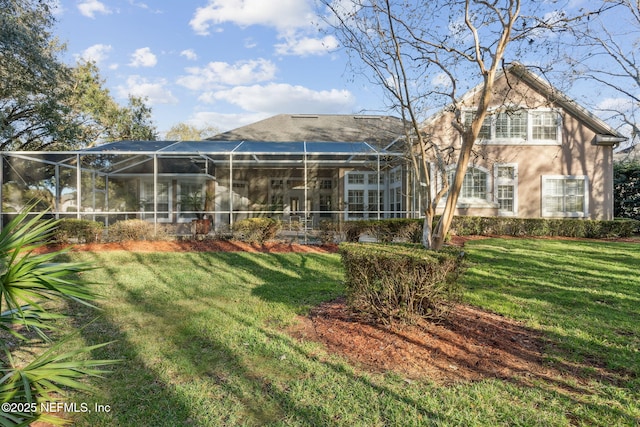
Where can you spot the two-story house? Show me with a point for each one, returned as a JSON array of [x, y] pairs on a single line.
[[538, 154]]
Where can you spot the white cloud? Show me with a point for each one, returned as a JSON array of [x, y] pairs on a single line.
[[143, 57], [96, 53], [295, 22], [280, 98], [217, 74], [190, 54], [155, 91], [441, 80], [89, 8], [615, 104], [282, 15], [305, 46]]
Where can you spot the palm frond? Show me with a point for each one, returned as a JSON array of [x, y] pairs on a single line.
[[27, 280]]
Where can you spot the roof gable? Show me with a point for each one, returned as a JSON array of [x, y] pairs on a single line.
[[557, 97], [377, 130], [598, 125]]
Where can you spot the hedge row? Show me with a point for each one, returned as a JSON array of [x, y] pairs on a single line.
[[411, 229], [390, 282], [86, 231]]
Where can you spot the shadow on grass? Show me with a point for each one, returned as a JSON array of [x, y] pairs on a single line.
[[237, 367], [136, 385], [584, 295], [576, 393], [199, 348]]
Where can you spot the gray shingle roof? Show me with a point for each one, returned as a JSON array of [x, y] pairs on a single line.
[[376, 130]]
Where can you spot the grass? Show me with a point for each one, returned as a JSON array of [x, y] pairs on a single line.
[[585, 295], [203, 342]]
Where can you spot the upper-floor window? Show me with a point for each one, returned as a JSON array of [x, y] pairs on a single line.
[[511, 125], [544, 126], [355, 178], [518, 126]]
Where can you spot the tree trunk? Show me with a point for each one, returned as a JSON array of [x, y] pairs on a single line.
[[427, 232], [446, 219]]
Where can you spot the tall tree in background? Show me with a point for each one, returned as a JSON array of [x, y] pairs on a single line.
[[133, 122], [99, 117], [425, 55], [187, 132], [32, 79], [46, 105]]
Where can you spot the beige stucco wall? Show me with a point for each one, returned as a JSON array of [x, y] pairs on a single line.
[[576, 155]]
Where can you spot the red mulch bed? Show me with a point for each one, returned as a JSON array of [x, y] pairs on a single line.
[[471, 345]]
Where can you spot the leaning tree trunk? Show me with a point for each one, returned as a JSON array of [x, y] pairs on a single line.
[[444, 224]]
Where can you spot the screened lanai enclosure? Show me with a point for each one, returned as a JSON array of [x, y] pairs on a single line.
[[171, 183]]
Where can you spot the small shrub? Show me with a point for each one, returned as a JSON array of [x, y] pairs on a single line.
[[256, 230], [401, 282], [78, 230], [353, 230], [132, 229]]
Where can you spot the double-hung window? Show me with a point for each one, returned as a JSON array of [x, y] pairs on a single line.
[[544, 125], [365, 194], [506, 188], [511, 125], [485, 129], [161, 201], [565, 196]]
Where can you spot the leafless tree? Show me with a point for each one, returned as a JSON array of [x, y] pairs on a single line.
[[425, 55], [606, 52]]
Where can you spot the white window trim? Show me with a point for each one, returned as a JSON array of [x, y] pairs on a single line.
[[471, 202], [519, 141], [546, 214], [503, 181]]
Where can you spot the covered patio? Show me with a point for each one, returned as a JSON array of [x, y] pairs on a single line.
[[171, 183]]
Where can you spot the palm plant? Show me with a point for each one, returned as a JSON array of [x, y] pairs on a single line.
[[27, 280]]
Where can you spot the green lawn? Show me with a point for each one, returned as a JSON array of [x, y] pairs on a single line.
[[203, 342]]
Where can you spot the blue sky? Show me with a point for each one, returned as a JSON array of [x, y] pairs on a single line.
[[228, 63], [218, 62]]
